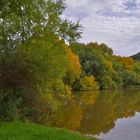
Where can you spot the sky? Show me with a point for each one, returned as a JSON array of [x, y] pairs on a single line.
[[113, 22]]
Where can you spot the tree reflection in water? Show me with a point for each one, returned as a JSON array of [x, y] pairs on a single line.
[[96, 112]]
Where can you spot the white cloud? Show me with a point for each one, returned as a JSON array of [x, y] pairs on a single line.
[[114, 22], [74, 3]]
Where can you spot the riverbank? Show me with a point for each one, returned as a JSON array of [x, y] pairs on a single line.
[[20, 131]]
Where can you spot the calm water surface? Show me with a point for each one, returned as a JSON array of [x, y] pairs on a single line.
[[108, 115]]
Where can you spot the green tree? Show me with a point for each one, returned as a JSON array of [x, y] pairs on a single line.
[[95, 61], [33, 56], [108, 83], [34, 68], [22, 20]]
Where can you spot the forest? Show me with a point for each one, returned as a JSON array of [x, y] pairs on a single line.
[[42, 61]]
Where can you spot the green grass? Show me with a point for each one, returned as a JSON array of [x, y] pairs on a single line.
[[20, 131]]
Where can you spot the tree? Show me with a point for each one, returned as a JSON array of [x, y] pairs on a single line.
[[33, 68], [94, 61], [127, 63], [33, 55], [22, 20], [88, 83], [74, 68], [108, 83]]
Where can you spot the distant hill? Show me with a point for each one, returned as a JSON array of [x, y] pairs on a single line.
[[136, 56]]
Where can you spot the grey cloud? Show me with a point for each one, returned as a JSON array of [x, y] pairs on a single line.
[[76, 12], [108, 21]]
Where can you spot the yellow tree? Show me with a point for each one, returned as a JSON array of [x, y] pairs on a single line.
[[88, 83], [74, 69], [127, 63]]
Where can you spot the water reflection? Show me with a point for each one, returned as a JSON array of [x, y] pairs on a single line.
[[96, 113], [125, 129]]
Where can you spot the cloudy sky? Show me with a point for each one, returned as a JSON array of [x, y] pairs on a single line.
[[114, 22]]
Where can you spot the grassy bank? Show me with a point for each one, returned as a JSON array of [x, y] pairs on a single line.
[[20, 131]]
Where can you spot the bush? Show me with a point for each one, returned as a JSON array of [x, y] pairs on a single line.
[[88, 83], [108, 83]]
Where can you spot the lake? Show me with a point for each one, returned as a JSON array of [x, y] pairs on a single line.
[[107, 115]]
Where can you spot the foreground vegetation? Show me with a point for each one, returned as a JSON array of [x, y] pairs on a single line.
[[20, 131]]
